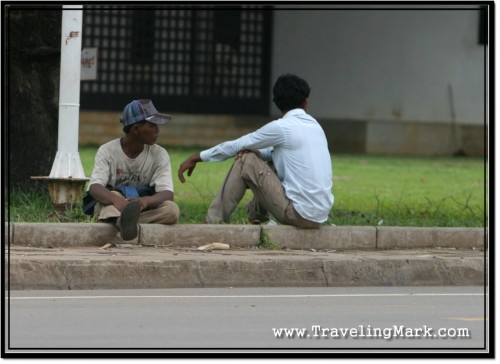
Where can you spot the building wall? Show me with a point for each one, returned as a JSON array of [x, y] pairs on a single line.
[[184, 130], [407, 82], [344, 136], [387, 65]]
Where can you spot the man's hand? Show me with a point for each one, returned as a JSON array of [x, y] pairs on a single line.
[[104, 196], [151, 202], [142, 201], [119, 202], [189, 165]]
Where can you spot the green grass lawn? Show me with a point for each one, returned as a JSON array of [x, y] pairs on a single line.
[[369, 190], [409, 191]]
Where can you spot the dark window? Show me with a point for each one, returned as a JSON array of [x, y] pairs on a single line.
[[194, 60]]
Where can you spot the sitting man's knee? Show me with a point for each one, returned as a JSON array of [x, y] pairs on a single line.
[[250, 157], [170, 213], [252, 165], [251, 160]]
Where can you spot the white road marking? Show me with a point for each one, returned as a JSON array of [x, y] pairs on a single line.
[[252, 296], [469, 318]]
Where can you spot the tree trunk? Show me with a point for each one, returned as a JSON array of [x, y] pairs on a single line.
[[33, 39]]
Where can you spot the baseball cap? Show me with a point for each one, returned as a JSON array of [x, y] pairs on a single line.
[[140, 110]]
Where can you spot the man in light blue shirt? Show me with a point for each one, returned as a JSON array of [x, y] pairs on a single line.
[[298, 191]]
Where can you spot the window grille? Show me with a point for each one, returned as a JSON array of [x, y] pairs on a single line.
[[186, 59]]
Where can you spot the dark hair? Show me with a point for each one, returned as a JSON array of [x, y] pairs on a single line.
[[289, 92], [126, 129]]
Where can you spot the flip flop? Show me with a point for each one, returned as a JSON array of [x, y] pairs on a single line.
[[127, 223]]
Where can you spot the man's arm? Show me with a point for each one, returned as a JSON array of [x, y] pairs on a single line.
[[105, 197], [188, 165], [151, 202], [262, 140]]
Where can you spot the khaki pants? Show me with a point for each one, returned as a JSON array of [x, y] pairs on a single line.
[[252, 172], [166, 213]]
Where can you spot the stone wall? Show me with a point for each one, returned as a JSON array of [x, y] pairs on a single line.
[[344, 136], [183, 130]]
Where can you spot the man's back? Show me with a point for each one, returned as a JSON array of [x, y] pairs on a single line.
[[298, 191], [303, 164]]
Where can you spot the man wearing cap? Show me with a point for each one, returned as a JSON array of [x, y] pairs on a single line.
[[132, 178]]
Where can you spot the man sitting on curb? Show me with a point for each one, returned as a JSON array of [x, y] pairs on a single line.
[[132, 179], [299, 191]]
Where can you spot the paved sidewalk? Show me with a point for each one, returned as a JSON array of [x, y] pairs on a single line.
[[90, 256]]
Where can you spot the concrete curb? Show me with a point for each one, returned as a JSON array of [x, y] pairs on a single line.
[[71, 256], [131, 268], [52, 235]]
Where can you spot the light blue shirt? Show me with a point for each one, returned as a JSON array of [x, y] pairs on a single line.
[[297, 145]]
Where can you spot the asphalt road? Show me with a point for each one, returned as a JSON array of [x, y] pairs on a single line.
[[388, 318]]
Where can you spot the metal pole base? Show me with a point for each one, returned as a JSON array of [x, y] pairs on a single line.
[[64, 192]]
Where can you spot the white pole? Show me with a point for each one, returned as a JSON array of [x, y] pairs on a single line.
[[67, 163]]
